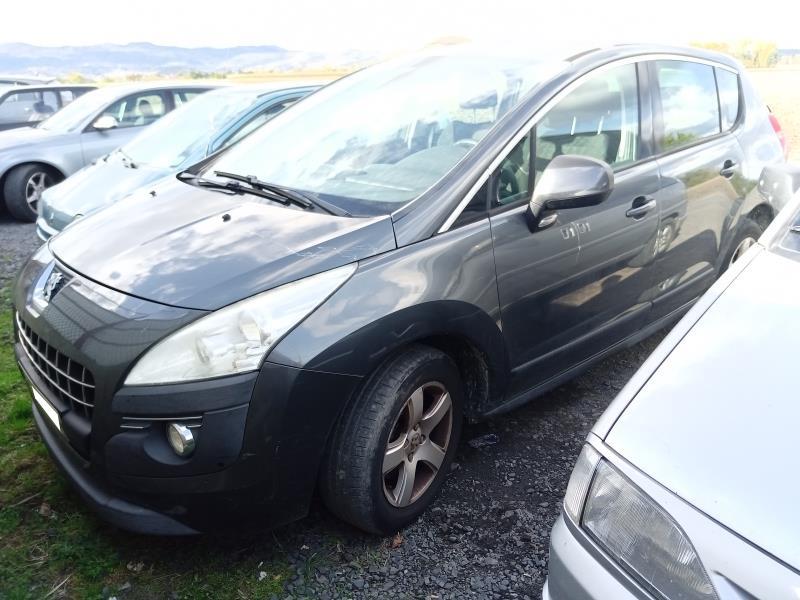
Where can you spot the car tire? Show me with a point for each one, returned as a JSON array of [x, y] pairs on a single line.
[[376, 430], [747, 234], [23, 189]]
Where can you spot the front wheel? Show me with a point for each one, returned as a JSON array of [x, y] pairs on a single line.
[[394, 445], [23, 189]]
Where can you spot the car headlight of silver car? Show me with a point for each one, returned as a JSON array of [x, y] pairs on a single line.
[[235, 339], [635, 531]]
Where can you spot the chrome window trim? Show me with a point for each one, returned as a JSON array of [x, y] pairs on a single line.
[[554, 100]]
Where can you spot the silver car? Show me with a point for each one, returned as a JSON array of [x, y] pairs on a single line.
[[34, 158], [181, 139], [687, 487]]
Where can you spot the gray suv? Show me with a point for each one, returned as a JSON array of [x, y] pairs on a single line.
[[34, 158], [440, 237]]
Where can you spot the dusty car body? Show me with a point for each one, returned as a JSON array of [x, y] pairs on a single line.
[[319, 306]]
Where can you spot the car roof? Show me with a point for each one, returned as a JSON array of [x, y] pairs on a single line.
[[267, 88], [4, 89]]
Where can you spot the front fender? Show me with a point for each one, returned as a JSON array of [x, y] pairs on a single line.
[[442, 287]]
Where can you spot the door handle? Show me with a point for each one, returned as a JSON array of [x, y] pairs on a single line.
[[641, 206], [728, 169]]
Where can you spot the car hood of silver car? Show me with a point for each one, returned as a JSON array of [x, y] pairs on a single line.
[[717, 423], [196, 248]]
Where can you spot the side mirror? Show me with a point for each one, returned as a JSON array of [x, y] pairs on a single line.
[[105, 123], [570, 181]]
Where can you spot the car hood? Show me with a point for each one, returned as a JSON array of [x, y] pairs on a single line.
[[202, 249], [717, 422], [25, 136], [93, 187]]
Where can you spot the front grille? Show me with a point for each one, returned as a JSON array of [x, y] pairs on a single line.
[[67, 379]]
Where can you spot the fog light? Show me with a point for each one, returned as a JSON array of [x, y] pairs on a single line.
[[180, 438]]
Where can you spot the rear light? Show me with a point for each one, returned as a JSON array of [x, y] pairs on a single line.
[[781, 135]]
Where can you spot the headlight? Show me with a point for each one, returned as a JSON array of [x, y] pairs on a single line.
[[235, 339], [643, 538]]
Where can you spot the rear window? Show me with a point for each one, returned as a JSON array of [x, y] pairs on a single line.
[[689, 106], [729, 100]]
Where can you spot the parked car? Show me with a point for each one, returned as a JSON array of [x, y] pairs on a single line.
[[184, 137], [34, 158], [320, 305], [684, 486], [24, 106]]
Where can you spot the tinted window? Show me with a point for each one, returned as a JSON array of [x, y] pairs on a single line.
[[688, 102], [599, 119], [137, 110], [513, 174], [475, 210], [728, 86]]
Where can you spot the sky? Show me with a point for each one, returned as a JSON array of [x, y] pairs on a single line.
[[382, 26]]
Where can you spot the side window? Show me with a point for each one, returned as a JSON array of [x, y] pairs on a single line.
[[729, 100], [137, 110], [476, 209], [599, 119], [258, 121], [183, 96], [513, 176], [689, 107], [30, 107]]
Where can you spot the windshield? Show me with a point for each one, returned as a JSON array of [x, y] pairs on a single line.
[[185, 133], [377, 139], [77, 111]]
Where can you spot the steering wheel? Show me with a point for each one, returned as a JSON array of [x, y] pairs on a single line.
[[508, 184], [468, 142]]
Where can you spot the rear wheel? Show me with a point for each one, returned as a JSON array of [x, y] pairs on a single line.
[[747, 235], [23, 189], [394, 445]]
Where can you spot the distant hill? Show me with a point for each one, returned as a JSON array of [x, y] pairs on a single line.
[[116, 59]]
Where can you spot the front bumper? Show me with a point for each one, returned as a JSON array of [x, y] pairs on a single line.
[[43, 230], [578, 572], [260, 436]]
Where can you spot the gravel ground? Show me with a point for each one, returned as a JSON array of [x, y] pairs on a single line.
[[17, 242], [485, 537]]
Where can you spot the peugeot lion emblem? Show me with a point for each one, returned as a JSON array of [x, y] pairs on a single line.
[[52, 285]]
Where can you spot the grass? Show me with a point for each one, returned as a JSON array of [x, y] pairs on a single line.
[[52, 547]]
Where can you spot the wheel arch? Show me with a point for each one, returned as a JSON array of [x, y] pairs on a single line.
[[58, 171]]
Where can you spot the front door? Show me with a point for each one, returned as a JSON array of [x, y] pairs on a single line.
[[577, 287], [132, 114]]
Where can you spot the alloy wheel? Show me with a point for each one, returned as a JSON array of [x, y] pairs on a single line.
[[417, 444], [37, 183]]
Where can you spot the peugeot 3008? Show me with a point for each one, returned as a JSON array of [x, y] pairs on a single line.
[[440, 237]]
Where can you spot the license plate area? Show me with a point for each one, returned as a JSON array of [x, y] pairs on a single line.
[[46, 408]]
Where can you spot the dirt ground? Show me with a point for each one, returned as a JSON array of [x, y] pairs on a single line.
[[780, 89]]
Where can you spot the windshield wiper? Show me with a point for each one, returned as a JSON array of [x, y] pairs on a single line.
[[291, 195], [236, 188]]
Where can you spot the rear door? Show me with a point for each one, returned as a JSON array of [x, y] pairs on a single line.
[[571, 291], [700, 163], [132, 113]]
